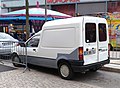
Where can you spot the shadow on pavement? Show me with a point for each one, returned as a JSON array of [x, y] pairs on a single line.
[[44, 69], [77, 76], [4, 68]]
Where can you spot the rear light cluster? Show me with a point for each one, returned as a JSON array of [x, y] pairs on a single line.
[[80, 50]]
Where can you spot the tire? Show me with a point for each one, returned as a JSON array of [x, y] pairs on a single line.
[[15, 58], [65, 71]]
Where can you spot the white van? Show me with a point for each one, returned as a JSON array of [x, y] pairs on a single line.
[[70, 45]]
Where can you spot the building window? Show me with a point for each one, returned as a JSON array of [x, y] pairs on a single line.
[[118, 3], [113, 4]]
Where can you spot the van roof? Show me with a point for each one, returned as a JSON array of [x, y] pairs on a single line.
[[67, 21]]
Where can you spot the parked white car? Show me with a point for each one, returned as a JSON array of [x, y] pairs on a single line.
[[6, 43]]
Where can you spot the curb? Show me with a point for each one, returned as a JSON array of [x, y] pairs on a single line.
[[111, 69]]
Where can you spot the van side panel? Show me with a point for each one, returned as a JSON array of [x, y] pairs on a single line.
[[50, 62], [59, 38]]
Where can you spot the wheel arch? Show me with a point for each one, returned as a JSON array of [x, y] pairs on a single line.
[[70, 73], [14, 53], [61, 61], [18, 62]]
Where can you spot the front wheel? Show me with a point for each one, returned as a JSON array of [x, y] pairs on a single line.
[[65, 71], [16, 60]]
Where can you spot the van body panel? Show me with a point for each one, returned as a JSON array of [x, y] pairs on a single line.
[[40, 61], [90, 44], [102, 44], [95, 50], [71, 56], [59, 39], [51, 62]]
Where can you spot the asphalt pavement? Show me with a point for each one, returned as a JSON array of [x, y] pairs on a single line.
[[48, 78], [4, 68]]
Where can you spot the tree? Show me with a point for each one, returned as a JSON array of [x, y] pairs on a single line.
[[27, 20]]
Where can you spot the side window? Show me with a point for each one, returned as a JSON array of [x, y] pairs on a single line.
[[34, 41], [102, 32], [90, 32]]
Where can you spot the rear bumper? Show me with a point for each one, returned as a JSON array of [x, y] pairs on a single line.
[[78, 66]]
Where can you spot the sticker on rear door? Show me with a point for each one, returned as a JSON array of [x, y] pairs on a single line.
[[90, 51]]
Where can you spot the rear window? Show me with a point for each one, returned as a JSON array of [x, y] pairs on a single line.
[[102, 32], [90, 32]]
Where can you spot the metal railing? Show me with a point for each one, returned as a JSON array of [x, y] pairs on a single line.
[[115, 51], [115, 54], [14, 52]]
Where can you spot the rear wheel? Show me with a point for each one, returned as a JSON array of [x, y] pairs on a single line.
[[16, 60], [65, 70]]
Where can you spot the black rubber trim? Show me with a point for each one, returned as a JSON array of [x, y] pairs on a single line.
[[78, 66]]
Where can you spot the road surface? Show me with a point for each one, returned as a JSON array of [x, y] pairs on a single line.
[[40, 77]]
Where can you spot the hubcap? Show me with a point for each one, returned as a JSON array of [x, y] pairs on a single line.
[[16, 59], [64, 70]]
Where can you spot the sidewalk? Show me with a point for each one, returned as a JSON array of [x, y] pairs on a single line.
[[114, 66]]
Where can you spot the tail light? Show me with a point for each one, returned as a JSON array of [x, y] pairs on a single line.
[[80, 53]]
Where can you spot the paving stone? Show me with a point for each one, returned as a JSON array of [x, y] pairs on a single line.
[[36, 79]]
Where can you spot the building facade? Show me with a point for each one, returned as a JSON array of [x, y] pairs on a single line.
[[71, 7]]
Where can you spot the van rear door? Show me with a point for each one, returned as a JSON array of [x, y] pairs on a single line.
[[103, 40], [90, 40]]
